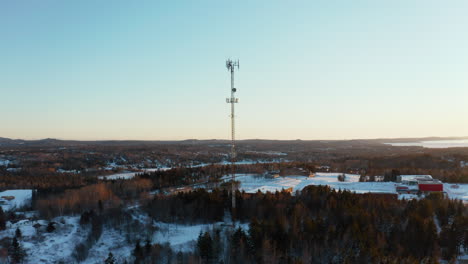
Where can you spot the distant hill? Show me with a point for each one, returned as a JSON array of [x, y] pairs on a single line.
[[52, 142], [10, 142]]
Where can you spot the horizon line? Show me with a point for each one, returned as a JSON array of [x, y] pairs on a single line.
[[248, 139]]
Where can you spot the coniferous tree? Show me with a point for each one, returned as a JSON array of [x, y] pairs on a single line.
[[96, 227], [16, 252], [33, 198], [332, 226], [148, 247], [100, 207], [238, 245], [465, 242], [2, 219], [18, 233], [459, 227], [50, 227], [205, 246], [362, 178], [341, 177], [138, 252], [110, 259]]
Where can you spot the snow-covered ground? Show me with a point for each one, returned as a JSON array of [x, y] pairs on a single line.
[[240, 162], [408, 196], [117, 176], [156, 169], [59, 245], [20, 198], [183, 237], [68, 171], [4, 162], [44, 247], [130, 175], [113, 166], [110, 241], [273, 153], [246, 162], [252, 183], [460, 192]]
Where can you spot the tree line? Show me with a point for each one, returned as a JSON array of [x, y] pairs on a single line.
[[321, 225]]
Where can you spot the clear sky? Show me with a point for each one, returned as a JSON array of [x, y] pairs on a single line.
[[308, 69]]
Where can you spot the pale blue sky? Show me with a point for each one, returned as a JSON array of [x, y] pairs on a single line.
[[309, 69]]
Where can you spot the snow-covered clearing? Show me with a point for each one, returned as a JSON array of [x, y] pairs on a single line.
[[408, 196], [59, 245], [113, 241], [44, 247], [273, 153], [4, 162], [121, 176], [68, 171], [247, 162], [130, 175], [240, 162], [11, 199], [183, 237], [459, 192], [156, 169], [252, 183]]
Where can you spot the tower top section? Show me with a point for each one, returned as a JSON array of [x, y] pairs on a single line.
[[230, 64]]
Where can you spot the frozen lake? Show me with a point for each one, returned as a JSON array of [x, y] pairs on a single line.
[[455, 143]]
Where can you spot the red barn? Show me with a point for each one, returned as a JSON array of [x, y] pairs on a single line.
[[430, 187]]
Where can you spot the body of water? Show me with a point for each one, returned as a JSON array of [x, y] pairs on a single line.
[[455, 143]]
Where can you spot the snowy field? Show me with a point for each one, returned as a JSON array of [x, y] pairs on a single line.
[[119, 176], [460, 192], [11, 199], [252, 183]]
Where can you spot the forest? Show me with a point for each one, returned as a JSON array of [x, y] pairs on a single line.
[[320, 225], [315, 225]]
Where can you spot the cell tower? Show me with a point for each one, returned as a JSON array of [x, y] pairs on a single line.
[[230, 65]]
